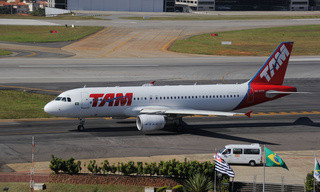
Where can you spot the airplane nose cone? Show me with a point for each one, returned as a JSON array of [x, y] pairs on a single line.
[[49, 108]]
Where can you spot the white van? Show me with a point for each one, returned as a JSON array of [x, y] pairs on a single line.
[[242, 154]]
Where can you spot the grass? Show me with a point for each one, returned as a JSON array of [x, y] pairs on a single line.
[[59, 17], [253, 42], [224, 17], [42, 33], [53, 187], [20, 104], [4, 52]]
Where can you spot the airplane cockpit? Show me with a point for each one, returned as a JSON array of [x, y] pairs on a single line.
[[64, 99]]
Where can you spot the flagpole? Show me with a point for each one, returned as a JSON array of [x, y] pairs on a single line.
[[264, 168], [215, 181], [314, 179]]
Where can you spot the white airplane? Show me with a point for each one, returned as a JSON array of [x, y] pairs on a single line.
[[154, 106]]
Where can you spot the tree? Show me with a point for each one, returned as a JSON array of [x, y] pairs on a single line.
[[309, 182], [198, 182], [38, 12]]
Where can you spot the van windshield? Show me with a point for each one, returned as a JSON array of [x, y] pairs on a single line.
[[222, 150]]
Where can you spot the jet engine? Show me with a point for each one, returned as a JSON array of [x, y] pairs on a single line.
[[150, 122]]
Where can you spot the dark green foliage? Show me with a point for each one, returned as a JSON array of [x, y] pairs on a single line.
[[162, 189], [198, 182], [172, 168], [309, 182], [66, 166], [5, 10], [178, 188], [93, 167], [38, 12], [55, 164]]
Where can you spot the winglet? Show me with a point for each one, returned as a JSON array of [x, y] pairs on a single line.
[[248, 114], [149, 84]]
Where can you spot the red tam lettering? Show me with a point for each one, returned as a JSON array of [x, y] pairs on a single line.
[[95, 98], [123, 100], [109, 97]]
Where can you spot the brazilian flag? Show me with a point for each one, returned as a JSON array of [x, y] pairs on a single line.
[[273, 160]]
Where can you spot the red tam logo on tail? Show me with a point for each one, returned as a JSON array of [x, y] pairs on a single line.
[[274, 69]]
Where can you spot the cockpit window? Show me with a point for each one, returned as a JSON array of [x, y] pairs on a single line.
[[58, 98], [63, 99], [69, 99]]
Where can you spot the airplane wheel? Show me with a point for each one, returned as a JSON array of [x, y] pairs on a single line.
[[178, 128], [80, 128]]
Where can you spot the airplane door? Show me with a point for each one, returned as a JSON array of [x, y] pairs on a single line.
[[84, 100]]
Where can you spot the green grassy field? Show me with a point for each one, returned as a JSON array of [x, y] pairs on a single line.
[[59, 17], [3, 52], [254, 42], [224, 17], [42, 33], [20, 104], [53, 187]]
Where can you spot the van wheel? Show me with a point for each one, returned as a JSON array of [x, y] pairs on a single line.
[[252, 163]]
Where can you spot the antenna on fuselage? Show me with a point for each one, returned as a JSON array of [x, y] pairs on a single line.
[[84, 86]]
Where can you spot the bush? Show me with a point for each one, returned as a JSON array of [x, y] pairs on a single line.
[[198, 182], [309, 183], [93, 167], [66, 166], [178, 188], [172, 168], [162, 189]]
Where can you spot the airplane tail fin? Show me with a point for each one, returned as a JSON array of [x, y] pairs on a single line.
[[274, 69]]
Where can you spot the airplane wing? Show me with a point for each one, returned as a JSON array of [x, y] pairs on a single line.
[[167, 111]]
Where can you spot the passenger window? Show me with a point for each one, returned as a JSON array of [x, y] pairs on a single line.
[[252, 151], [237, 151]]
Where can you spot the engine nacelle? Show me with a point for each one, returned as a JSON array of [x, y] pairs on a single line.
[[150, 122]]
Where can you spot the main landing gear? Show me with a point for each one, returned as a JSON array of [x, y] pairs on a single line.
[[81, 124], [179, 125]]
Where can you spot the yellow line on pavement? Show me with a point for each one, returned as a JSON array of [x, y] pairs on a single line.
[[119, 46]]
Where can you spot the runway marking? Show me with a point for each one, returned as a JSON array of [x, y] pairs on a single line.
[[166, 46], [119, 46], [46, 90], [32, 54]]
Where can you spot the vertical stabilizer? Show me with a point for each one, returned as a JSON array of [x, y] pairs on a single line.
[[274, 69]]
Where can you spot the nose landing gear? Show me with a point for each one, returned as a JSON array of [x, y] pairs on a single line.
[[81, 124]]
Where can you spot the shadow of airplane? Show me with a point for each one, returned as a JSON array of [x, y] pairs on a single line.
[[206, 130]]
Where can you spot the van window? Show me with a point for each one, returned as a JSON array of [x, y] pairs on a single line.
[[252, 151], [228, 151], [237, 151]]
